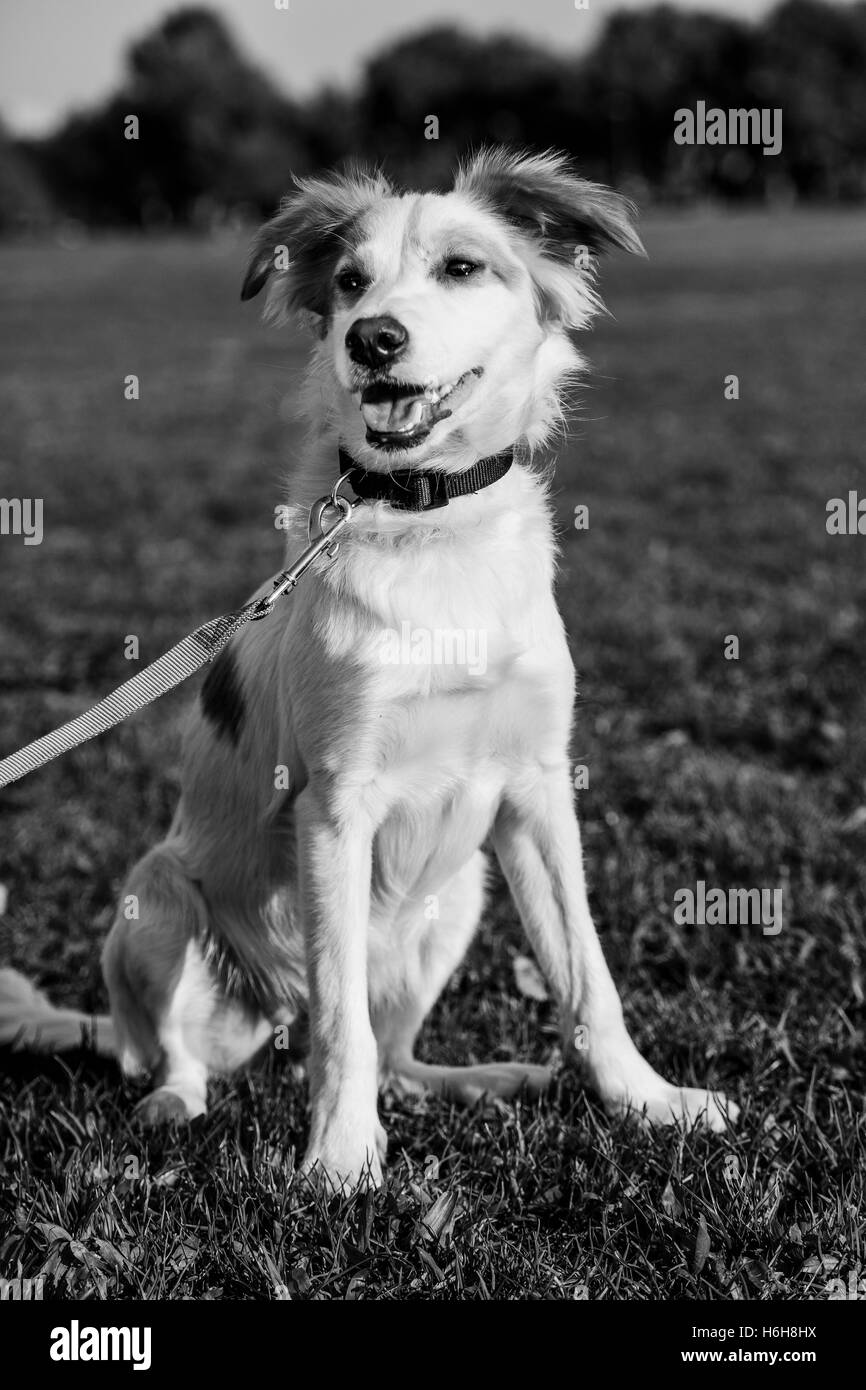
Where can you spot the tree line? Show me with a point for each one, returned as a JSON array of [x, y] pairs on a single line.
[[217, 139]]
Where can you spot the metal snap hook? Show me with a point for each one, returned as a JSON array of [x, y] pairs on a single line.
[[316, 531]]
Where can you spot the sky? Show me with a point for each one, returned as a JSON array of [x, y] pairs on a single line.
[[59, 55]]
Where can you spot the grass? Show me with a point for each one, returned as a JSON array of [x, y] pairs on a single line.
[[706, 519]]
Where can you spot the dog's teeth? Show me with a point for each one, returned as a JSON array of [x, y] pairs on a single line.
[[415, 415], [403, 412], [435, 394]]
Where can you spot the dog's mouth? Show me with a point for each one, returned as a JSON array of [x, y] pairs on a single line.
[[400, 414]]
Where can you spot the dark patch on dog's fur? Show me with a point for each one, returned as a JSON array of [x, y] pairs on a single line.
[[316, 224], [542, 195], [222, 698], [263, 984], [233, 981]]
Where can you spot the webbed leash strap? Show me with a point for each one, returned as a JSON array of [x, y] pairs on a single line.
[[142, 689], [182, 661]]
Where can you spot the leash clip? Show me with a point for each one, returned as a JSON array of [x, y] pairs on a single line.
[[333, 502], [321, 543]]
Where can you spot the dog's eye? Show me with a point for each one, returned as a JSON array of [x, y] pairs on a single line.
[[350, 281], [458, 268]]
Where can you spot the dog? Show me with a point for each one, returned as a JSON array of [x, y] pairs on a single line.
[[325, 869]]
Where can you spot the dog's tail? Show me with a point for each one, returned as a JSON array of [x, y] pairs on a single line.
[[29, 1022]]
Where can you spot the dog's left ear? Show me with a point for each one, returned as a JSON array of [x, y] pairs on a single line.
[[543, 196], [295, 253]]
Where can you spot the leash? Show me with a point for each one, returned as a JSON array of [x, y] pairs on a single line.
[[408, 491], [183, 660]]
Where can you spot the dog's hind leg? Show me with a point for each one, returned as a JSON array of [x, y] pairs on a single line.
[[401, 998], [170, 1016]]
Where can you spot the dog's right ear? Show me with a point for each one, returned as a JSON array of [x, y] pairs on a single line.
[[295, 253]]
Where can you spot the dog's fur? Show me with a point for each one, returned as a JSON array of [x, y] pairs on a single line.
[[343, 892]]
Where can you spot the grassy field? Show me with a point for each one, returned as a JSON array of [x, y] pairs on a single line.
[[707, 518]]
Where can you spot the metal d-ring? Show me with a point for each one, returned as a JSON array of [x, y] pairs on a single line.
[[335, 490]]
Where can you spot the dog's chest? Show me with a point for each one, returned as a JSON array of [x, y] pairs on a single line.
[[456, 658]]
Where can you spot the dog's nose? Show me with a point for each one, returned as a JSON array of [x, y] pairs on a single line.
[[376, 341]]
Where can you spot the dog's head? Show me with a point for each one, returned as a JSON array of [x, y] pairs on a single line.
[[444, 319]]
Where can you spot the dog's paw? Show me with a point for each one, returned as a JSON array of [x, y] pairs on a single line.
[[340, 1166], [685, 1105], [164, 1107]]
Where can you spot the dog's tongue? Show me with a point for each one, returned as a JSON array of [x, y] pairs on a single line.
[[386, 413]]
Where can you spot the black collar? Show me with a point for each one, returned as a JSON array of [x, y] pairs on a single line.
[[416, 491]]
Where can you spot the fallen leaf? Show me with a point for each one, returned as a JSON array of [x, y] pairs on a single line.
[[438, 1219], [110, 1253], [670, 1202], [54, 1233], [168, 1178], [273, 1273], [701, 1247]]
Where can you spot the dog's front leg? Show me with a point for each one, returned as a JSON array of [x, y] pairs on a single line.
[[347, 1142], [538, 843]]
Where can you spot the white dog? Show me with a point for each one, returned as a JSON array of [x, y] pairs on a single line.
[[325, 862]]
